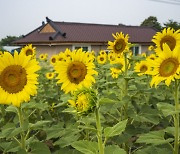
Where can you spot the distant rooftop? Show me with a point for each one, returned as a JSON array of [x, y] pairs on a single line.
[[72, 32]]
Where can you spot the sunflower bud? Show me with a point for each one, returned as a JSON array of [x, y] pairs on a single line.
[[84, 101]]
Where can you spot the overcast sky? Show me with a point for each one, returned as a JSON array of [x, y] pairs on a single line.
[[19, 17]]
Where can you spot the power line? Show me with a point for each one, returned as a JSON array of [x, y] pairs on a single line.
[[168, 2]]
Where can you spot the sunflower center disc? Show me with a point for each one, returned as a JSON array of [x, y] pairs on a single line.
[[120, 45], [53, 60], [13, 79], [29, 52], [102, 59], [143, 69], [169, 40], [76, 72], [168, 67]]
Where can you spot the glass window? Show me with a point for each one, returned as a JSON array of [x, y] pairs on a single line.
[[136, 50], [84, 47]]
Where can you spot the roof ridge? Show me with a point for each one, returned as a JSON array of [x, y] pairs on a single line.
[[98, 24]]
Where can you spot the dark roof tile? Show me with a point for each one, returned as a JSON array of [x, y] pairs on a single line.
[[88, 33]]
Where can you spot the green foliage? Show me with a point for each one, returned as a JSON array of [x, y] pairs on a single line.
[[86, 147], [154, 137], [115, 130], [151, 21], [138, 121], [113, 149], [172, 24], [8, 40]]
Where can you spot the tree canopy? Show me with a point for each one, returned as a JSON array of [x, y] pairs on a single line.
[[151, 21], [8, 40], [172, 24]]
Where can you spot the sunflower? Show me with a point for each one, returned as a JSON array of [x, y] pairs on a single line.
[[76, 72], [120, 44], [102, 52], [67, 53], [17, 78], [151, 57], [112, 57], [115, 72], [28, 50], [166, 66], [54, 59], [151, 48], [142, 67], [101, 59], [61, 56], [168, 36], [143, 54], [43, 56], [50, 75], [84, 101], [90, 56]]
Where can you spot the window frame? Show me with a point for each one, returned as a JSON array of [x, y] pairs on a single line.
[[133, 49], [81, 46]]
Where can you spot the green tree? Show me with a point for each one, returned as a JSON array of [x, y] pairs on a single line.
[[151, 21], [8, 40], [172, 24]]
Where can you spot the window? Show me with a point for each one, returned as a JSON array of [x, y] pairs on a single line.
[[136, 50], [84, 47]]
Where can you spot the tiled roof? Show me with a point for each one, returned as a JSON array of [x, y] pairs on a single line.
[[69, 32]]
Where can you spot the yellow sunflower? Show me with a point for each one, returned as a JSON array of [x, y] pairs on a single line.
[[142, 67], [28, 50], [76, 72], [151, 48], [112, 57], [43, 56], [115, 72], [101, 59], [151, 57], [54, 59], [168, 36], [166, 66], [84, 101], [102, 52], [50, 75], [90, 56], [61, 56], [120, 44], [143, 54], [67, 53], [17, 78]]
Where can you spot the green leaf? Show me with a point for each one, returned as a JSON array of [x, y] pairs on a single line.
[[67, 140], [39, 148], [116, 129], [22, 151], [107, 101], [154, 137], [154, 150], [39, 124], [86, 147], [167, 109], [6, 130], [14, 132], [11, 108], [114, 149]]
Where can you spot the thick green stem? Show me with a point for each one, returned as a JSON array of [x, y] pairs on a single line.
[[23, 141], [176, 118], [126, 84], [99, 131]]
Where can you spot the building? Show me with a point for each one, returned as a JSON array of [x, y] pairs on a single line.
[[52, 37]]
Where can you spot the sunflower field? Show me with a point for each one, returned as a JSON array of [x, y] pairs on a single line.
[[80, 102]]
